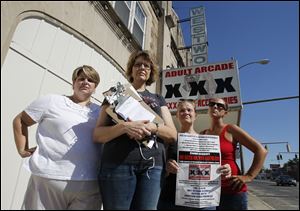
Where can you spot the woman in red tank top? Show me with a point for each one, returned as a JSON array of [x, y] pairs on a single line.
[[234, 189]]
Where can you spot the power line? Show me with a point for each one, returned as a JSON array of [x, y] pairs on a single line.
[[269, 100]]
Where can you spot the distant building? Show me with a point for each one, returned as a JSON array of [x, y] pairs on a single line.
[[276, 172]]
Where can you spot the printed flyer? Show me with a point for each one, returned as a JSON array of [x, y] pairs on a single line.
[[198, 184]]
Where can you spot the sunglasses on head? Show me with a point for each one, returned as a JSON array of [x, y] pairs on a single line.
[[188, 100], [220, 105]]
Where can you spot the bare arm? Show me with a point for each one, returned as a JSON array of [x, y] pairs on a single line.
[[103, 133], [259, 153], [20, 127]]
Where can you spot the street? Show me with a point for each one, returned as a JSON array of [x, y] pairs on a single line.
[[278, 197]]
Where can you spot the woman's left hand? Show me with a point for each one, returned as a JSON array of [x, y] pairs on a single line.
[[237, 181], [172, 166]]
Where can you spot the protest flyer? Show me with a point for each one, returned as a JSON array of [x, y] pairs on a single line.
[[198, 184]]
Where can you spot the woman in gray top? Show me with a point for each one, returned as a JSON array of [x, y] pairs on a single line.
[[130, 174]]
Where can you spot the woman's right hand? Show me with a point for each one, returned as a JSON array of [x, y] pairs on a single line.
[[172, 166], [225, 170], [137, 129], [26, 152]]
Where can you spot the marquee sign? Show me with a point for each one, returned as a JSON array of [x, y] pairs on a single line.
[[202, 82]]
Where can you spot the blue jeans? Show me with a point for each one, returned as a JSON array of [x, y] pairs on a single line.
[[127, 187], [237, 201]]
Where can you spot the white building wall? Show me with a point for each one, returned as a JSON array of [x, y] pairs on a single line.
[[40, 60]]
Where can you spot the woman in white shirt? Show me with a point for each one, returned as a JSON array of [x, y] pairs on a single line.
[[65, 162]]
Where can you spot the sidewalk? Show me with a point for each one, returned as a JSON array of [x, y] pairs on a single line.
[[255, 203]]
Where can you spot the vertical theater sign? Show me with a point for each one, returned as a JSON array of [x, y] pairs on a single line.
[[199, 36]]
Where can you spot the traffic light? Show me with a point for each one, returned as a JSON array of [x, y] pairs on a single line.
[[296, 156], [288, 147], [279, 157]]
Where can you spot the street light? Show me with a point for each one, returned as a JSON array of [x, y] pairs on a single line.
[[262, 61]]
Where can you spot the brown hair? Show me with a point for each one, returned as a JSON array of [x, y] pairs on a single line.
[[146, 56], [193, 102], [89, 72]]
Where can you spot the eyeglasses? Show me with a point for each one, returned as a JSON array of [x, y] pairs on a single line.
[[139, 64], [219, 105]]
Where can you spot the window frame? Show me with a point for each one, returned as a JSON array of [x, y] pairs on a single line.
[[132, 18]]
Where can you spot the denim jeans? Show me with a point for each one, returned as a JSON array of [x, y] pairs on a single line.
[[127, 187], [237, 201]]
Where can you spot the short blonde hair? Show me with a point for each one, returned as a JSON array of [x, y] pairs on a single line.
[[181, 101], [147, 57], [89, 72]]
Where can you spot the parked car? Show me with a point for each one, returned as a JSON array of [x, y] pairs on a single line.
[[285, 180]]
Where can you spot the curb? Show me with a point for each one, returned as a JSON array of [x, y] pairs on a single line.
[[258, 203]]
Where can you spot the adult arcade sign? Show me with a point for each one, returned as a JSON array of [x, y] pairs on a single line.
[[202, 82]]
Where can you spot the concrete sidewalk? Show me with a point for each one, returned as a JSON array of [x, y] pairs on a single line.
[[255, 203]]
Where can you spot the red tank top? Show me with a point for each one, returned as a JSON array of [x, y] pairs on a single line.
[[228, 156]]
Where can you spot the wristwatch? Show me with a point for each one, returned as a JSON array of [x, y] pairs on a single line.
[[157, 125]]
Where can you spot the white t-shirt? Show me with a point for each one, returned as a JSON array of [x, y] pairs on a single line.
[[64, 138]]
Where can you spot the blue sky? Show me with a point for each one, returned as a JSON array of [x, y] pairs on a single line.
[[250, 31]]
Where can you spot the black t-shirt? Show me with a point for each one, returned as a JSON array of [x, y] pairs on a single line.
[[123, 150], [169, 187]]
